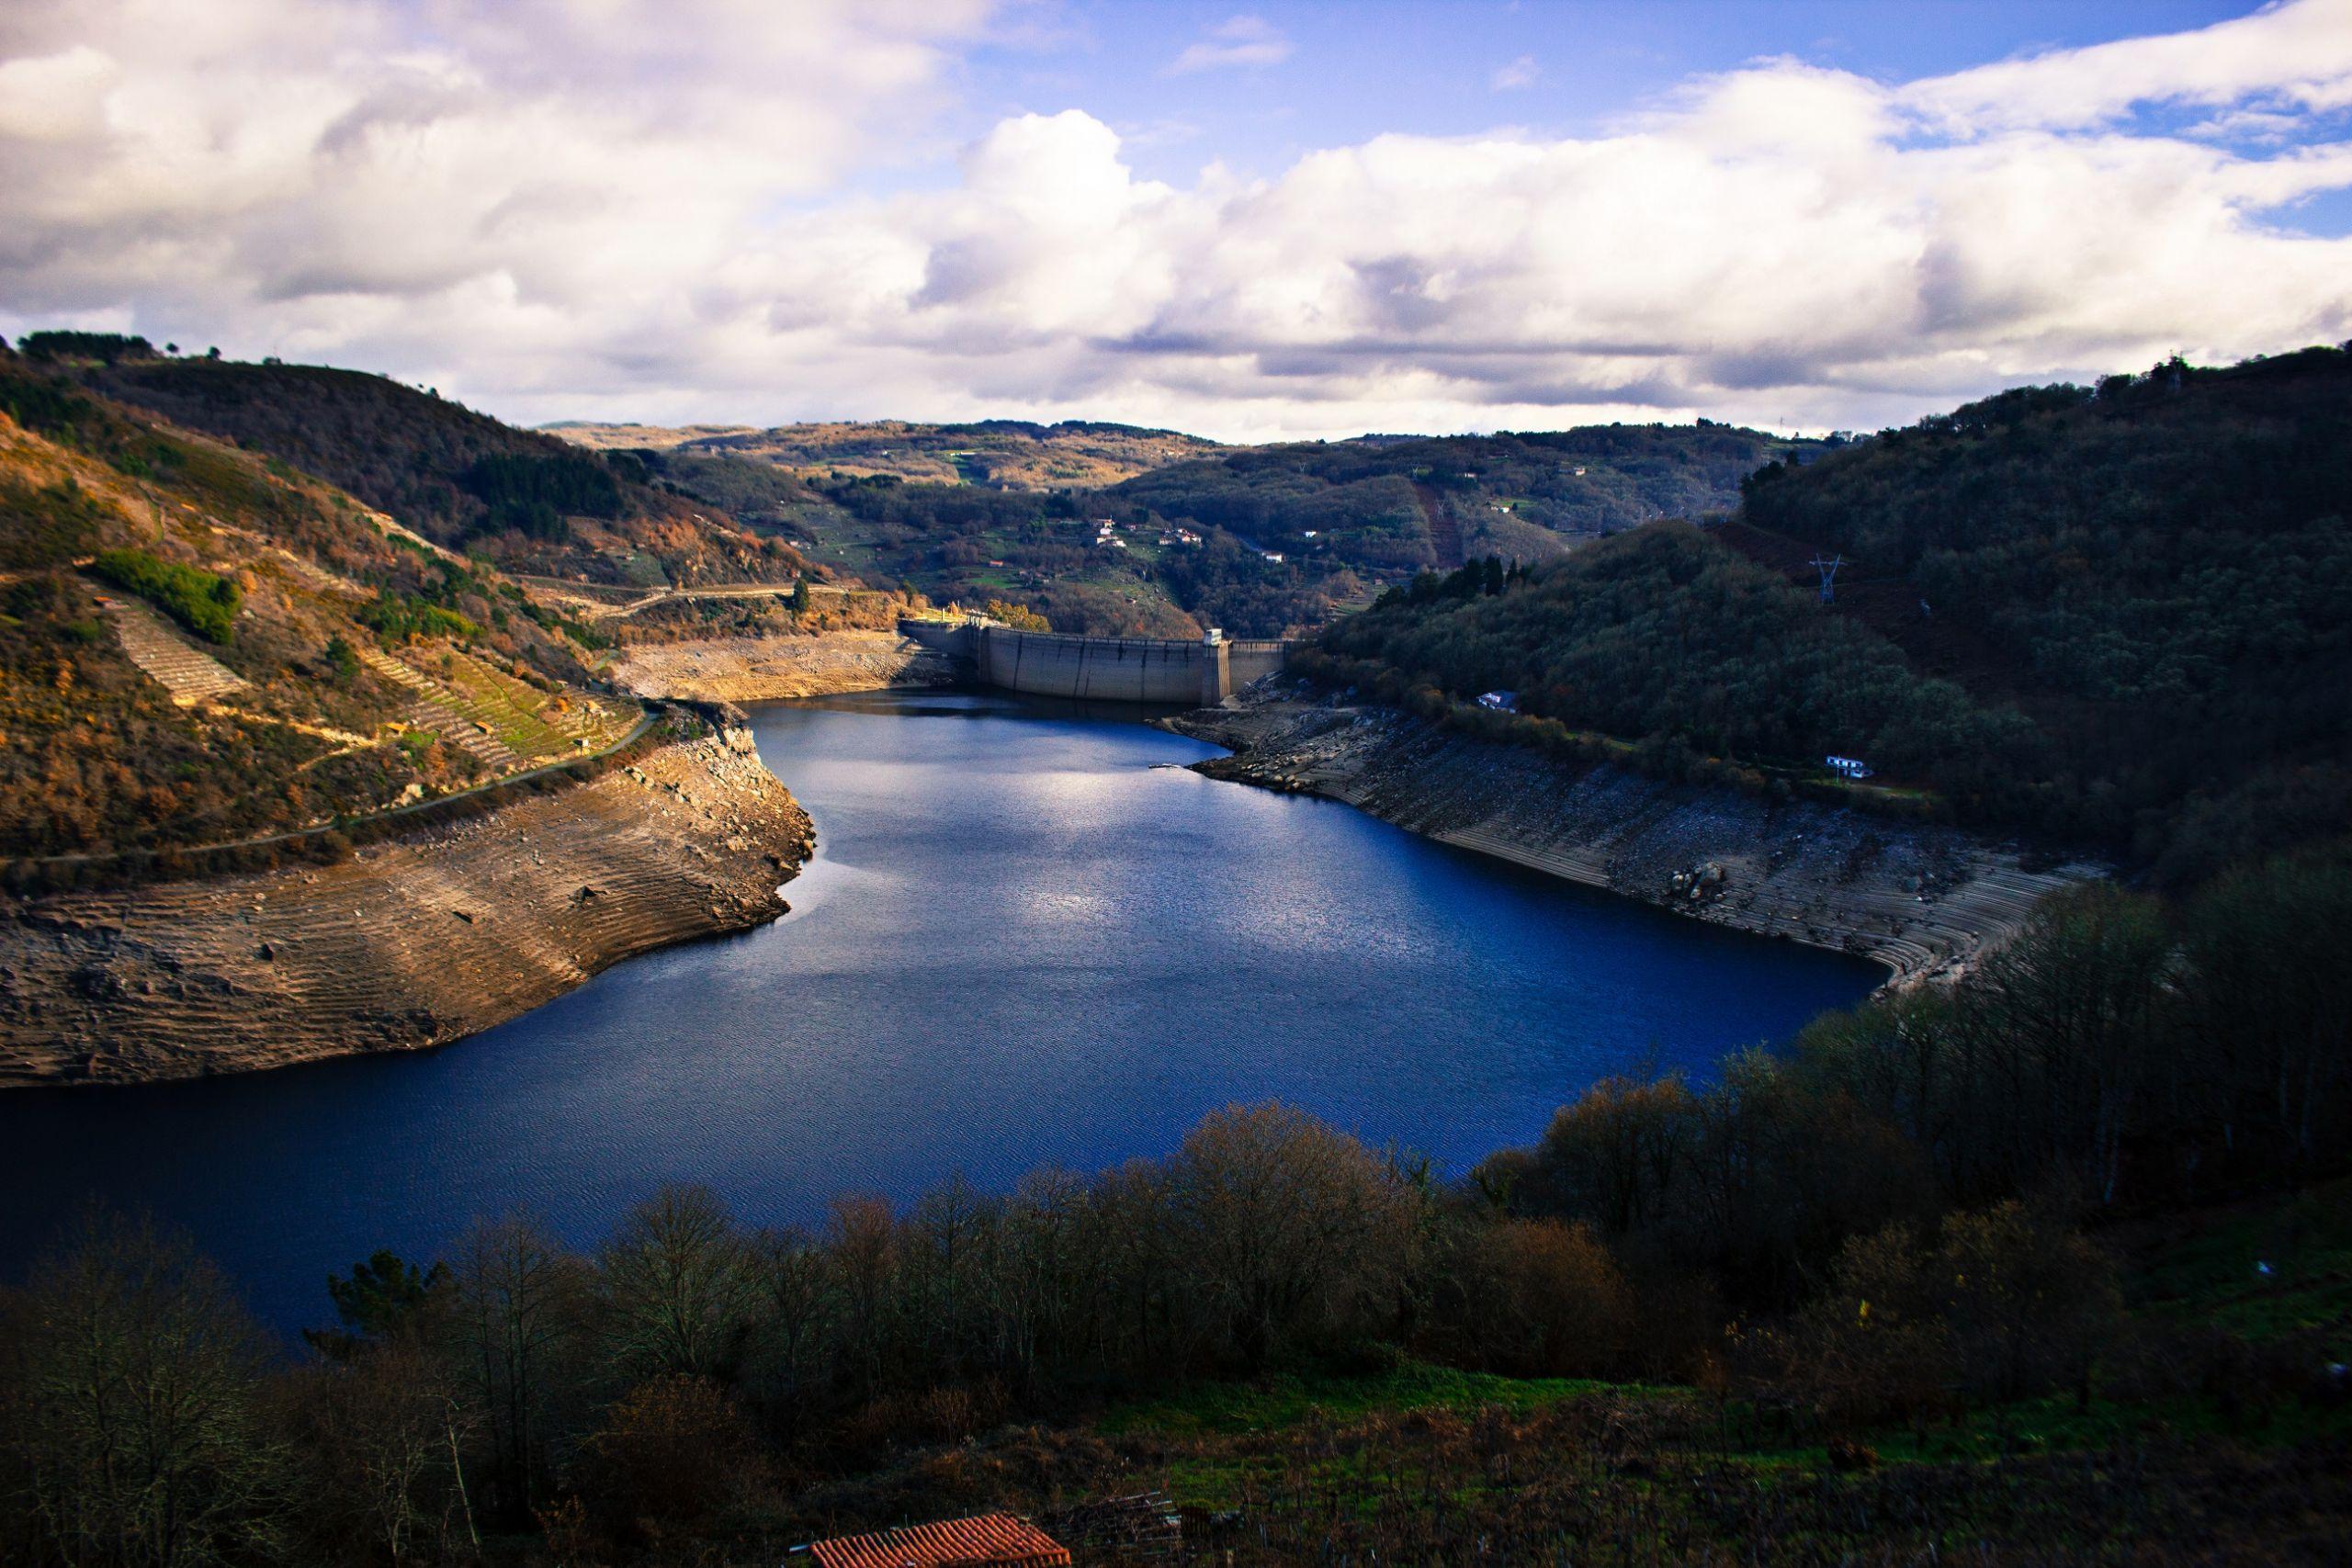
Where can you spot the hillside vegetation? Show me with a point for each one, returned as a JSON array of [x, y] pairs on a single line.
[[2118, 615], [2157, 570], [528, 502], [202, 646], [1262, 541], [1924, 1287]]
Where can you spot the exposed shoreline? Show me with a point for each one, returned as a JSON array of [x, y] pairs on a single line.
[[756, 670], [422, 941], [426, 939], [1927, 902], [412, 943]]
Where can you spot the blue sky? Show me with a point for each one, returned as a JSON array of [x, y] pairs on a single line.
[[1357, 71], [1563, 68], [1250, 221]]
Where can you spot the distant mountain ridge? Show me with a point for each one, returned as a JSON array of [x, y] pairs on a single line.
[[1007, 453]]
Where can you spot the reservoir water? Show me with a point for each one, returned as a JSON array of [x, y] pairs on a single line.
[[1029, 938]]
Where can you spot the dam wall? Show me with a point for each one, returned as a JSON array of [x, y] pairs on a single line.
[[1193, 673], [1254, 660], [1122, 669]]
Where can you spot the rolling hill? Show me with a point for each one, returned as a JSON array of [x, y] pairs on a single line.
[[2119, 614], [1009, 454], [202, 645], [525, 500], [1263, 540]]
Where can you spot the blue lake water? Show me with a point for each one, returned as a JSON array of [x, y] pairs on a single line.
[[1029, 937]]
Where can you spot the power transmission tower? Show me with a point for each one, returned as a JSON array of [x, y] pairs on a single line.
[[1828, 569]]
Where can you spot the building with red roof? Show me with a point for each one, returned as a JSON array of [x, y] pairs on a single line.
[[990, 1540]]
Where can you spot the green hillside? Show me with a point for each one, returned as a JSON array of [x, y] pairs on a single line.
[[2117, 615], [2157, 570]]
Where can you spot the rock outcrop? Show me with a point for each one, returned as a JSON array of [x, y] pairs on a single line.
[[1925, 901], [409, 945]]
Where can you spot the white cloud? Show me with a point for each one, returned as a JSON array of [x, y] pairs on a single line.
[[1520, 73], [2295, 55], [552, 216], [296, 166], [1247, 42]]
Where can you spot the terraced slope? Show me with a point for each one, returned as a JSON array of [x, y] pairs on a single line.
[[190, 674]]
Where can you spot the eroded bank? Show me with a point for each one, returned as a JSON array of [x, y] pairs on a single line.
[[1925, 901], [409, 945]]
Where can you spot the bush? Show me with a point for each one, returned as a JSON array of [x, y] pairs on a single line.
[[403, 617], [2011, 1302], [203, 602], [672, 1451], [1544, 1298]]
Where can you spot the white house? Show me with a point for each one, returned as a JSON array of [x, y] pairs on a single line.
[[1849, 767]]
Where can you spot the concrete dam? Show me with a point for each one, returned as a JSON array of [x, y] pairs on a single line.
[[1199, 673]]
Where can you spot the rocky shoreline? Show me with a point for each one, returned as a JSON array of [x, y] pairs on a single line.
[[409, 945], [1925, 901], [752, 668]]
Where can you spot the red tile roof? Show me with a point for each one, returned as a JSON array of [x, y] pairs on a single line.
[[998, 1540]]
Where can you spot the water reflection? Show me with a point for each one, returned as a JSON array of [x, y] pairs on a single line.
[[1027, 938]]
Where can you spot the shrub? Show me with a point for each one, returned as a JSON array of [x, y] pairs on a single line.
[[403, 617], [204, 602]]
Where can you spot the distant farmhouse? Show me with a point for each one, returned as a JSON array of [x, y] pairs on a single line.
[[1849, 767], [1501, 702]]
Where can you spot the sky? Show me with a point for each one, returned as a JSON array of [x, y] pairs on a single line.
[[1247, 220]]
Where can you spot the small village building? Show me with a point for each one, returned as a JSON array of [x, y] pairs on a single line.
[[1849, 767], [1501, 702], [989, 1540]]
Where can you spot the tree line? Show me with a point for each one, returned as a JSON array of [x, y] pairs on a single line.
[[1887, 1222]]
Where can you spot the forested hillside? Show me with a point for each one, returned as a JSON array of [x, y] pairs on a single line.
[[1396, 501], [2119, 614], [200, 646], [527, 501], [1663, 636], [1263, 541]]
